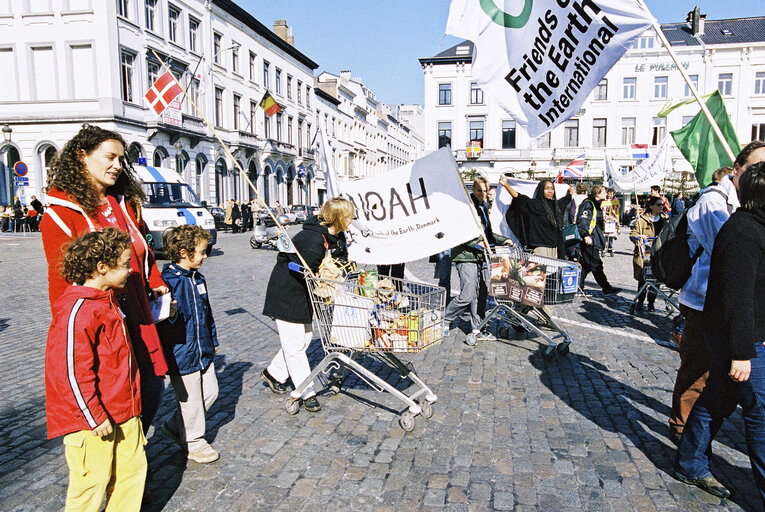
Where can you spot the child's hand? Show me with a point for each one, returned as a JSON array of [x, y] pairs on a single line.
[[156, 292], [216, 348], [104, 429]]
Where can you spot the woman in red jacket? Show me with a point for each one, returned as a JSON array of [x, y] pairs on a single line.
[[91, 187]]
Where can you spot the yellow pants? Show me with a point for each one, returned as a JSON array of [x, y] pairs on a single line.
[[114, 465]]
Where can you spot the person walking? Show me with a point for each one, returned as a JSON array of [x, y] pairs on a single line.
[[288, 301], [648, 225], [91, 187], [735, 334], [590, 223]]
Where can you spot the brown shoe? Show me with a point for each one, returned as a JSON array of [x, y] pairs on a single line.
[[709, 484]]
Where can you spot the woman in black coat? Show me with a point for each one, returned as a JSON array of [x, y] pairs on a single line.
[[589, 219], [288, 302]]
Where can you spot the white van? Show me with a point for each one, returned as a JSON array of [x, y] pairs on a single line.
[[170, 202]]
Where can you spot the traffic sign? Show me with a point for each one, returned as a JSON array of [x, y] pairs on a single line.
[[21, 182], [21, 169]]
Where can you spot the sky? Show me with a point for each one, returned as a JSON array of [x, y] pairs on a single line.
[[380, 41]]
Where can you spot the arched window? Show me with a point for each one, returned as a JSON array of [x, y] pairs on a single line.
[[135, 151], [199, 169], [160, 155], [252, 173], [221, 170], [8, 158], [267, 185]]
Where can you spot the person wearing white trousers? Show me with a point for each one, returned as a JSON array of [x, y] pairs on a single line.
[[291, 360]]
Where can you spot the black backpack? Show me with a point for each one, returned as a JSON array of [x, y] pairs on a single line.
[[671, 260]]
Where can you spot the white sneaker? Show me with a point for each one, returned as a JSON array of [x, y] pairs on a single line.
[[204, 455]]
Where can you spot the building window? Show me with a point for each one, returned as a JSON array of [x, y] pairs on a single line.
[[234, 56], [279, 126], [289, 130], [173, 19], [476, 94], [643, 43], [218, 107], [152, 72], [194, 94], [725, 83], [444, 134], [267, 126], [444, 94], [628, 130], [266, 72], [660, 87], [686, 120], [333, 126], [278, 80], [508, 134], [300, 92], [307, 96], [571, 133], [123, 8], [659, 130], [630, 84], [253, 116], [758, 131], [252, 66], [127, 61], [599, 133], [476, 131], [759, 83], [601, 90], [695, 81], [237, 110], [217, 47], [151, 14], [543, 141], [193, 35], [300, 134], [289, 87]]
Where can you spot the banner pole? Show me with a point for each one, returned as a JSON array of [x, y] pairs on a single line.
[[696, 94], [236, 163], [487, 245]]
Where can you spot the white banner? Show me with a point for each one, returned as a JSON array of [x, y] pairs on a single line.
[[410, 212], [503, 200], [651, 171], [539, 59]]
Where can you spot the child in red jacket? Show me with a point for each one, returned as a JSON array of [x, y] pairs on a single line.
[[92, 387]]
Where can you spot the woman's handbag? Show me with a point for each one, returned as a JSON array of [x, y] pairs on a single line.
[[331, 271], [571, 235]]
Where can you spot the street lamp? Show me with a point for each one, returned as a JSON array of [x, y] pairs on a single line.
[[7, 131]]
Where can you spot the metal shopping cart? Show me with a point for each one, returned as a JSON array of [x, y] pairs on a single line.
[[651, 285], [522, 284], [361, 316]]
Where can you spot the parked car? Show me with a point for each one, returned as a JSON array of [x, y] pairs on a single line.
[[300, 211], [219, 214], [287, 218]]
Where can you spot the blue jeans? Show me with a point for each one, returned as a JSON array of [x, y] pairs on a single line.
[[473, 294], [444, 271], [718, 401]]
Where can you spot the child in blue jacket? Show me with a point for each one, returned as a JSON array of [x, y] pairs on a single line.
[[189, 341]]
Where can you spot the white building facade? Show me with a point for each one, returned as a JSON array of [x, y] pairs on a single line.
[[90, 61], [622, 110]]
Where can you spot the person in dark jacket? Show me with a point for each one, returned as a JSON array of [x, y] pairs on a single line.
[[589, 219], [246, 216], [288, 302], [190, 341], [735, 334]]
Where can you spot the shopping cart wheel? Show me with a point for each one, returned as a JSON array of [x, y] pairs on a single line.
[[334, 386], [669, 308], [563, 348], [293, 406], [548, 352], [503, 332], [406, 421], [426, 409]]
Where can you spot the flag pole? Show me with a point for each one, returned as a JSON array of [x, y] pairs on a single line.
[[236, 163], [696, 94], [487, 245]]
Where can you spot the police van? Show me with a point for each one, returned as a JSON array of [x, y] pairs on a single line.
[[170, 202]]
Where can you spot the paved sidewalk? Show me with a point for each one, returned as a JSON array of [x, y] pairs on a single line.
[[510, 430]]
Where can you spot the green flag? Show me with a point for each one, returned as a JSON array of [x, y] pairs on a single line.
[[699, 144]]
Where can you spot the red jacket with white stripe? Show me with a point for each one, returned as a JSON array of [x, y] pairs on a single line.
[[91, 373]]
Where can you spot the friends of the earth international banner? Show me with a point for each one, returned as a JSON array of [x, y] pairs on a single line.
[[410, 212], [539, 59]]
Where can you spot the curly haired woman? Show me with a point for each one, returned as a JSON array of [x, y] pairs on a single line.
[[91, 187]]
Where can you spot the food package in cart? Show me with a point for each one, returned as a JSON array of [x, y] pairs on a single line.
[[351, 320], [367, 281]]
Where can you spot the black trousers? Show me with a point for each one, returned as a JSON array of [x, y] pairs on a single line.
[[651, 293], [591, 262]]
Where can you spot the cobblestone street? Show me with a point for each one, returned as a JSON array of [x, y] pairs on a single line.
[[510, 430]]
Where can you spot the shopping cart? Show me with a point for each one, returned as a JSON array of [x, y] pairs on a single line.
[[522, 284], [362, 316], [650, 284]]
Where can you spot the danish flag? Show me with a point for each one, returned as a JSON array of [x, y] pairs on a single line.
[[164, 90]]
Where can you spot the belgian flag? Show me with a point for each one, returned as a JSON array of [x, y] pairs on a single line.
[[269, 104]]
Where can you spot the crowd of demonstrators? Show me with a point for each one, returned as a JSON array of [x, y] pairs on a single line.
[[470, 261], [589, 220], [287, 300], [611, 208], [21, 217], [647, 226], [678, 204]]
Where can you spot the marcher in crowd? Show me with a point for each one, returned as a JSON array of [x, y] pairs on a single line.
[[288, 302], [705, 219], [610, 207], [246, 216], [91, 186], [678, 205], [580, 194], [18, 214], [735, 334], [92, 388], [37, 206], [720, 173], [647, 226], [190, 341], [236, 216], [590, 223], [471, 268], [228, 220], [656, 191]]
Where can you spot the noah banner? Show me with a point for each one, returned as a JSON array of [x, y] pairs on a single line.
[[409, 213], [539, 59]]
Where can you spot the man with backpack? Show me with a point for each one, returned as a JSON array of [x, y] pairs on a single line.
[[705, 218]]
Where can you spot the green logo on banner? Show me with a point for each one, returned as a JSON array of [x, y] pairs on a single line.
[[503, 19]]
